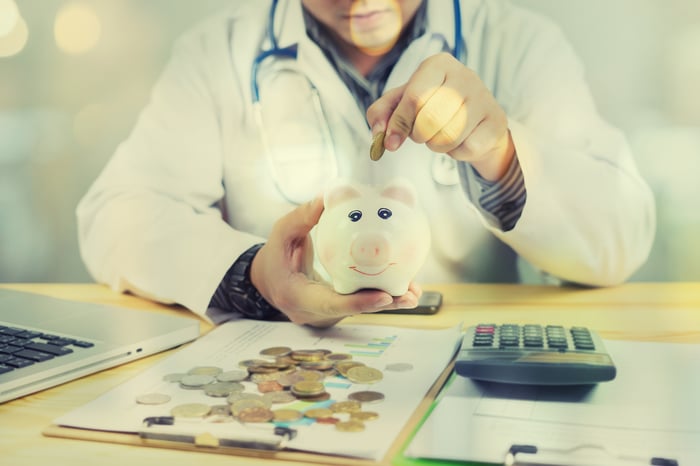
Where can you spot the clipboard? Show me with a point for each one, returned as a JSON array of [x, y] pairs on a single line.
[[662, 439], [531, 455], [115, 416], [198, 440]]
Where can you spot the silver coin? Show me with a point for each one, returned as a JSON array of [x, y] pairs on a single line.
[[196, 381], [173, 377], [222, 389], [220, 410], [205, 370], [191, 410], [235, 396], [399, 367], [232, 376], [152, 399]]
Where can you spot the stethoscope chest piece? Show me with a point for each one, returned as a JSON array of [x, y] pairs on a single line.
[[444, 170]]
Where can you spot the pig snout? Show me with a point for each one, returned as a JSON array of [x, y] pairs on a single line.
[[370, 249]]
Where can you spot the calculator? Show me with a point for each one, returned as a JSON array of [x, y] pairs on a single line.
[[534, 354]]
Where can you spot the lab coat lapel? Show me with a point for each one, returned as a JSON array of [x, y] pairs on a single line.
[[313, 63], [335, 94], [438, 37]]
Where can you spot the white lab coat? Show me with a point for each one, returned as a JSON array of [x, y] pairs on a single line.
[[190, 189]]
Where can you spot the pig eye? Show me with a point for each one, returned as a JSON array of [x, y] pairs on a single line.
[[384, 213], [355, 215]]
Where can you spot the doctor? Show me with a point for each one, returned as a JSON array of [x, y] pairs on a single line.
[[210, 201]]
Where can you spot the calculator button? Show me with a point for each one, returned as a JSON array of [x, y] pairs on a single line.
[[584, 346], [559, 344], [482, 341], [508, 342], [533, 342]]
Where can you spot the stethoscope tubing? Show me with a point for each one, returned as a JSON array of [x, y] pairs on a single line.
[[291, 51]]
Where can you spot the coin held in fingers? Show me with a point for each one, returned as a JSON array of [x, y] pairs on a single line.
[[376, 150]]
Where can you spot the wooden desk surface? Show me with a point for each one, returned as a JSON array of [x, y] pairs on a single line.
[[636, 311]]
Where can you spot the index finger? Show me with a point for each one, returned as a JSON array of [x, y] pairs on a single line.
[[419, 89], [380, 111]]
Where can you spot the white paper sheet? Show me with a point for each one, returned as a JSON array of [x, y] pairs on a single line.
[[651, 409], [427, 351]]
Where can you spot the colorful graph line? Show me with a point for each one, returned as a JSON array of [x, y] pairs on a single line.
[[373, 348]]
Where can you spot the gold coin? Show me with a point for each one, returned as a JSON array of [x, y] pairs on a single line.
[[310, 375], [316, 365], [308, 388], [190, 410], [364, 416], [350, 426], [276, 351], [286, 415], [318, 413], [346, 406], [238, 406], [376, 150], [366, 396], [261, 369], [255, 414], [344, 366], [278, 397], [314, 398], [364, 374], [339, 357], [307, 355]]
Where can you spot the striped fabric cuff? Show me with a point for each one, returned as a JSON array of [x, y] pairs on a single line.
[[505, 198]]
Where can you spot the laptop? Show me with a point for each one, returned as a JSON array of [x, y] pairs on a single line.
[[47, 341]]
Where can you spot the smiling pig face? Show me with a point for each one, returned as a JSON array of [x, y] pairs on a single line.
[[372, 237]]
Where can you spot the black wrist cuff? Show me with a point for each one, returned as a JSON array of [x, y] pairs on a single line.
[[242, 295]]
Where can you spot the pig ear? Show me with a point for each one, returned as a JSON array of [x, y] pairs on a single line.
[[401, 191], [339, 193]]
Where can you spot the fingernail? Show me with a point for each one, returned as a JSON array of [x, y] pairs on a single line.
[[392, 142]]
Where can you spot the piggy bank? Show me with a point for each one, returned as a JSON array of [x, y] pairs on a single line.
[[371, 237]]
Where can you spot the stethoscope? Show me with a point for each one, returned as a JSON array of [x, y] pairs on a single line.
[[444, 168]]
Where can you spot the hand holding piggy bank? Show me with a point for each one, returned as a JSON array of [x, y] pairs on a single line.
[[369, 237]]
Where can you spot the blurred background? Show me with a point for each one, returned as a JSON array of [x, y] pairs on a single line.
[[74, 75]]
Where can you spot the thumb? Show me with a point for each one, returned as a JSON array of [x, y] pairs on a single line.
[[301, 220]]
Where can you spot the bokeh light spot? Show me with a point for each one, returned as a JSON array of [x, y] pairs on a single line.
[[77, 28]]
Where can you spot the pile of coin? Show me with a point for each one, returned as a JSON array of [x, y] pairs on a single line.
[[281, 375]]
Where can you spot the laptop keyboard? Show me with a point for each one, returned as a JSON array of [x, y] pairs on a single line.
[[21, 347]]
